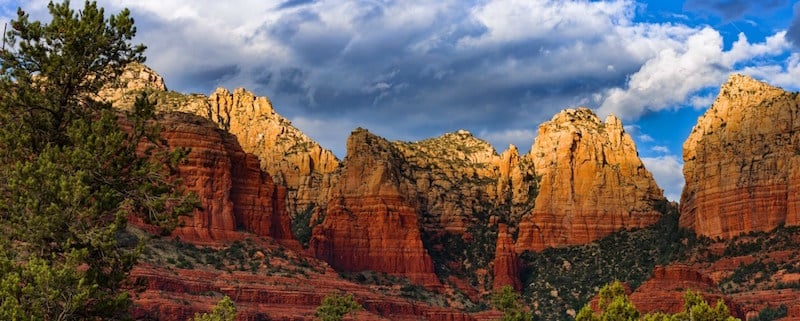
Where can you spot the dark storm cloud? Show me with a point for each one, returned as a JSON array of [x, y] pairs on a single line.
[[204, 77], [793, 33], [294, 3], [734, 9], [413, 69], [292, 81]]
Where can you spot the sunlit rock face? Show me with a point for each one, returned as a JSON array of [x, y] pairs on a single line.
[[592, 182], [742, 162]]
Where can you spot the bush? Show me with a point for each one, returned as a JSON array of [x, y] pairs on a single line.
[[335, 306]]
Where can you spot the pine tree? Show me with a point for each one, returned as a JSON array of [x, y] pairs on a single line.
[[509, 302], [614, 305], [335, 306], [70, 174], [225, 310]]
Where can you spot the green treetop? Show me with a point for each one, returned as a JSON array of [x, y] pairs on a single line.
[[70, 175], [225, 310], [335, 306], [509, 302], [614, 305]]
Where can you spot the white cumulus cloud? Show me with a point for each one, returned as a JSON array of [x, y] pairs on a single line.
[[668, 173], [672, 77]]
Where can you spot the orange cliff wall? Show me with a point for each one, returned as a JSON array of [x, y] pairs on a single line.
[[371, 222], [742, 162], [235, 194], [592, 183]]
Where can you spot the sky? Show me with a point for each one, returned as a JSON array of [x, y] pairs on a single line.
[[409, 70]]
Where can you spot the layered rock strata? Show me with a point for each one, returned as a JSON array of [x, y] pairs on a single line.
[[742, 162], [664, 292], [290, 157], [452, 187], [234, 193], [178, 294], [370, 222], [592, 182]]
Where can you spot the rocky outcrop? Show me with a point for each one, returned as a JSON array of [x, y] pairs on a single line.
[[460, 177], [290, 157], [451, 192], [592, 182], [371, 222], [235, 194], [176, 295], [136, 78], [665, 290], [506, 261], [742, 162]]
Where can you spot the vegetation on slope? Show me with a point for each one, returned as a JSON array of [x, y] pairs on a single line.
[[558, 281], [614, 305]]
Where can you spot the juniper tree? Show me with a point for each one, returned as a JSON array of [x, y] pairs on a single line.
[[335, 306], [70, 174], [509, 302]]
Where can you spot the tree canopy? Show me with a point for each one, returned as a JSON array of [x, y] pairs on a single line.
[[614, 305], [509, 302], [70, 173], [335, 306], [225, 310]]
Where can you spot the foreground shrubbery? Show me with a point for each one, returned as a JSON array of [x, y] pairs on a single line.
[[614, 305], [70, 175], [561, 280]]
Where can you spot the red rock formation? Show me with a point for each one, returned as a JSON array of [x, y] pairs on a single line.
[[506, 262], [289, 156], [664, 291], [178, 294], [370, 222], [235, 194], [742, 163], [593, 183]]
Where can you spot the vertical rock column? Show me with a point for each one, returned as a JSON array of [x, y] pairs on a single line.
[[371, 221]]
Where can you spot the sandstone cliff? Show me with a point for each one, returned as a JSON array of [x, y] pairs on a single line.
[[235, 194], [292, 159], [593, 182], [742, 163], [371, 222], [506, 261]]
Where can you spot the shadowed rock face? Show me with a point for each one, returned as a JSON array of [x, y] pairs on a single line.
[[592, 182], [293, 159], [290, 157], [371, 223], [235, 194], [741, 162]]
